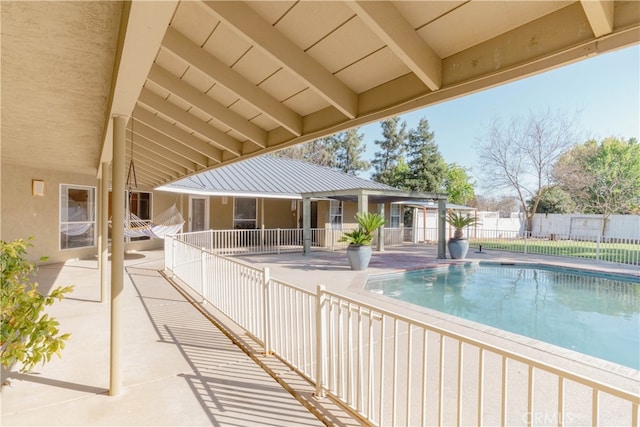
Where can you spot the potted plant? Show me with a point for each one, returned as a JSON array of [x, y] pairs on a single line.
[[359, 249], [459, 245]]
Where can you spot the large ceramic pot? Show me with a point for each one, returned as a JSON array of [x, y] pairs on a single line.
[[458, 248], [359, 256]]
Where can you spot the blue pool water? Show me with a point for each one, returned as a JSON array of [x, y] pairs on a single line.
[[592, 314]]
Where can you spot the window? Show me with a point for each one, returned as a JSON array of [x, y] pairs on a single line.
[[77, 216], [140, 204], [244, 213], [396, 216], [335, 214]]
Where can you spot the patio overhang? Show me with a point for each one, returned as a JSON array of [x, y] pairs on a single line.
[[376, 196], [364, 197], [210, 83]]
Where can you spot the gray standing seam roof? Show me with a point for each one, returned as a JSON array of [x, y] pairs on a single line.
[[275, 176]]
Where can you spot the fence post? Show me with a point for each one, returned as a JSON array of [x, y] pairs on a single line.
[[526, 233], [211, 240], [168, 253], [173, 258], [266, 310], [332, 238], [203, 273], [598, 248], [320, 340], [278, 240]]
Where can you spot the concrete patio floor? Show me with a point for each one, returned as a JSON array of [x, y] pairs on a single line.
[[181, 369]]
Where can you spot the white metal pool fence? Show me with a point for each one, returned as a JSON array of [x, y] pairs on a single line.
[[281, 240], [277, 240], [608, 249], [389, 368]]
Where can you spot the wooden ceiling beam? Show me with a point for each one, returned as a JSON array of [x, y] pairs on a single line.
[[140, 151], [150, 171], [220, 113], [184, 48], [600, 15], [218, 138], [142, 130], [175, 133], [161, 151], [262, 35], [388, 24]]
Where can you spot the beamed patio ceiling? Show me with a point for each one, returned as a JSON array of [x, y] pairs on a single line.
[[208, 83]]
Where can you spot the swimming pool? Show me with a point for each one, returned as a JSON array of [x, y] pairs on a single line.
[[598, 315]]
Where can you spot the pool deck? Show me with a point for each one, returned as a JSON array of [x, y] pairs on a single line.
[[186, 365], [331, 269]]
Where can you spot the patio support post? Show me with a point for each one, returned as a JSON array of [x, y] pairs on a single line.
[[363, 202], [442, 214], [104, 231], [117, 253], [381, 229], [306, 225]]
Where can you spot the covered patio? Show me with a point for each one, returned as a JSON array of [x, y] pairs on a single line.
[[187, 364], [185, 86], [379, 197]]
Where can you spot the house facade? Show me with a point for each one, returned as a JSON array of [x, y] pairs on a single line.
[[59, 210], [266, 193]]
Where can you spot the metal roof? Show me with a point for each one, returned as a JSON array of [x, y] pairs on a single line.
[[209, 83], [271, 177]]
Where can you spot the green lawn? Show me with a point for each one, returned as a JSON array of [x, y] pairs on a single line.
[[612, 252]]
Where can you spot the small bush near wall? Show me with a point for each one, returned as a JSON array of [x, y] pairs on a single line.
[[28, 336]]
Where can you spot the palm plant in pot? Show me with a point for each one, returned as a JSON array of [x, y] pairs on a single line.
[[459, 245], [359, 249]]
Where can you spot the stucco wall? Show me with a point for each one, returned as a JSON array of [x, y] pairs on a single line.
[[277, 214], [25, 215], [221, 214]]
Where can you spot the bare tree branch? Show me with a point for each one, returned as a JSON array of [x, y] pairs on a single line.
[[520, 155]]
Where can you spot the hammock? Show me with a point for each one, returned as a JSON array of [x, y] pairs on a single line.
[[75, 229], [168, 222]]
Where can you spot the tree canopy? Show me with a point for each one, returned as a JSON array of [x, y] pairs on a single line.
[[520, 155], [458, 184], [426, 167], [388, 162], [408, 159], [342, 151], [602, 177], [348, 148]]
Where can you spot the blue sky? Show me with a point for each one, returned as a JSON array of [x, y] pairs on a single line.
[[603, 91]]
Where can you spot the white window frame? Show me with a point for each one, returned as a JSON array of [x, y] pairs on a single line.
[[336, 210], [192, 213], [79, 227], [129, 208], [395, 218], [245, 220], [147, 220]]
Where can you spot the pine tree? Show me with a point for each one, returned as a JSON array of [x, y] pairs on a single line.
[[319, 152], [392, 149], [348, 148], [426, 166]]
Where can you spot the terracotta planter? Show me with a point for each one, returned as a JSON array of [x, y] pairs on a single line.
[[359, 256], [458, 248]]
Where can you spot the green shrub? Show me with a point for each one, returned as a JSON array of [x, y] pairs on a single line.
[[28, 335]]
